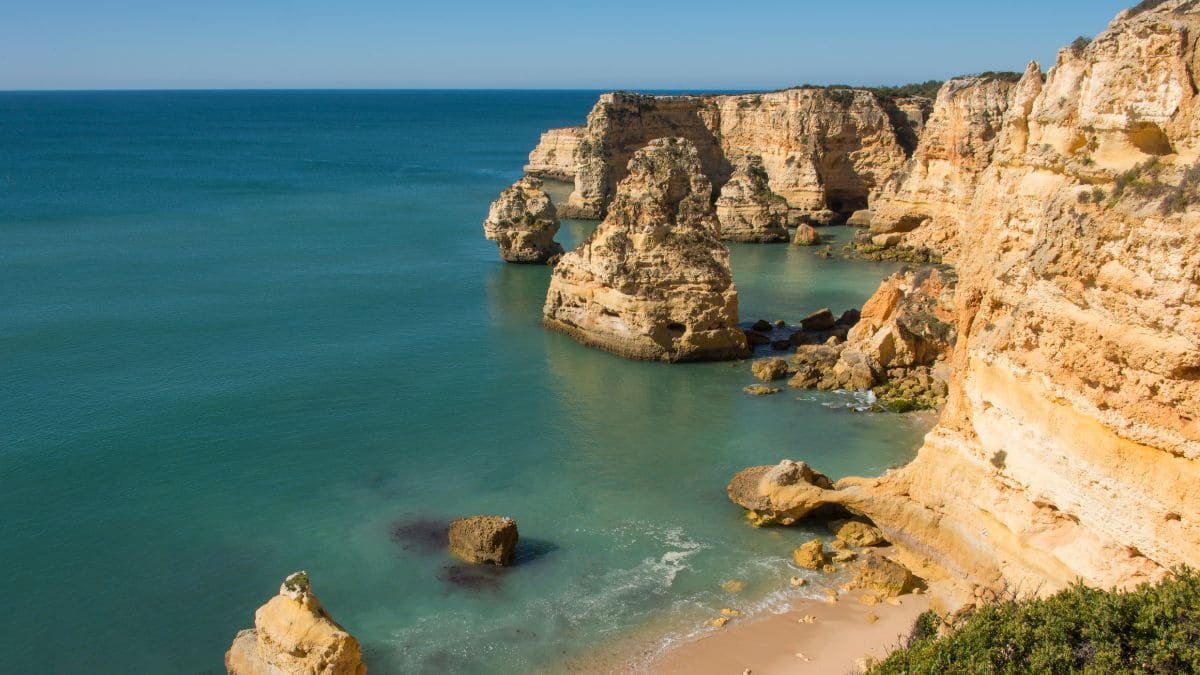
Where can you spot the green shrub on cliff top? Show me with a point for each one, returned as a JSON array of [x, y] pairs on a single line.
[[1153, 629]]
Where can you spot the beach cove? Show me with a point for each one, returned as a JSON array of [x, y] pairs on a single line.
[[234, 324]]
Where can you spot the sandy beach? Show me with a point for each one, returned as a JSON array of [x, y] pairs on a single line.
[[814, 637]]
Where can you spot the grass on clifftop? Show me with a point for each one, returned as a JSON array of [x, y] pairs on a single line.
[[1153, 629]]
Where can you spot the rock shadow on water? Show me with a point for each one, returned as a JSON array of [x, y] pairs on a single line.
[[421, 534], [490, 578]]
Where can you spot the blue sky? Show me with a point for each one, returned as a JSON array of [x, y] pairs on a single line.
[[666, 44]]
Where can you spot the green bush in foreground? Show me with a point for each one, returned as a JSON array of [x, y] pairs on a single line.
[[1154, 629]]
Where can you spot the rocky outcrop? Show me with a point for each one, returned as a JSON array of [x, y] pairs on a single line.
[[899, 348], [652, 281], [294, 634], [923, 206], [806, 235], [1069, 446], [556, 154], [522, 222], [824, 151], [484, 540], [747, 210]]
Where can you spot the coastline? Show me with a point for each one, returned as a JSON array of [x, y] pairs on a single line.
[[810, 636]]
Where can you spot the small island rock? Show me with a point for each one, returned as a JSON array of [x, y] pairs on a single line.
[[484, 539]]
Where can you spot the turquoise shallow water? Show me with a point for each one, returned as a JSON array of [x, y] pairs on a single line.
[[247, 333]]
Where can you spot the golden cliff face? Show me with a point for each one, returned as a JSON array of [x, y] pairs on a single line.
[[1070, 446], [923, 206], [653, 281], [821, 149]]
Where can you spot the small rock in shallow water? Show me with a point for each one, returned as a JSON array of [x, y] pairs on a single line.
[[718, 622], [761, 390], [733, 586], [762, 325], [726, 611], [769, 370], [797, 582], [484, 539]]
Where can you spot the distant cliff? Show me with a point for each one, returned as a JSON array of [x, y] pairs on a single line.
[[821, 148]]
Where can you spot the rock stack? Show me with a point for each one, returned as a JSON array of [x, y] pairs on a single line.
[[653, 281]]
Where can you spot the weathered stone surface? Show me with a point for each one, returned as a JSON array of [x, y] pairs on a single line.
[[747, 210], [860, 218], [484, 539], [294, 634], [806, 235], [822, 319], [769, 370], [810, 555], [856, 533], [891, 579], [921, 208], [522, 222], [1068, 447], [761, 390], [823, 150], [556, 154], [652, 282]]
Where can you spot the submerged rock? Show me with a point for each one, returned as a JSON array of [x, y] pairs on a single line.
[[522, 222], [747, 210], [652, 282], [484, 539], [294, 634], [761, 390]]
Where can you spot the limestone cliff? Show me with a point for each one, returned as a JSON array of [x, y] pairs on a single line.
[[523, 222], [822, 149], [294, 634], [922, 207], [747, 210], [1070, 444], [653, 281], [555, 154]]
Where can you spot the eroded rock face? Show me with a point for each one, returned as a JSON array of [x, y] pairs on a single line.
[[1069, 446], [922, 207], [484, 540], [653, 281], [556, 154], [294, 634], [823, 150], [747, 210], [523, 222]]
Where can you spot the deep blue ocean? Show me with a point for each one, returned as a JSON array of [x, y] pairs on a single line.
[[245, 333]]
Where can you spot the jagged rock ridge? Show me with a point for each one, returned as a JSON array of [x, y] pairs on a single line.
[[653, 281]]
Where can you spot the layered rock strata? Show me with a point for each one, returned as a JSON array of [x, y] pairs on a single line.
[[523, 222], [1069, 447], [294, 634], [555, 154], [922, 206], [652, 281], [824, 151], [747, 210]]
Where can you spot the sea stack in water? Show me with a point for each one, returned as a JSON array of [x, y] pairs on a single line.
[[652, 282], [484, 539], [522, 222], [294, 634], [747, 209]]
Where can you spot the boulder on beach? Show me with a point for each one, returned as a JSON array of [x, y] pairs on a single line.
[[857, 533], [878, 574], [810, 555], [484, 539]]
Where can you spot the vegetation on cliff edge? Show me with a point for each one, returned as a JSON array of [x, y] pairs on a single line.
[[1153, 629]]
